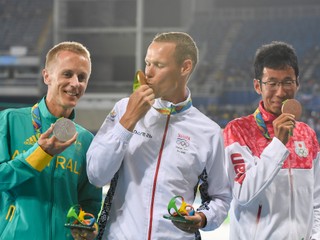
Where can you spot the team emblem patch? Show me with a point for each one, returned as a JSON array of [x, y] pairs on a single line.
[[182, 143], [300, 149]]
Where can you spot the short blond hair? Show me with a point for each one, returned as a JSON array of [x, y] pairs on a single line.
[[186, 47], [71, 46]]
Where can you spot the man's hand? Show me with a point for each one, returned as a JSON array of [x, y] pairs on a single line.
[[83, 234], [139, 104], [52, 145], [198, 221], [283, 127]]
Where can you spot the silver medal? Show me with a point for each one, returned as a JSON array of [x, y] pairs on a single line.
[[64, 129]]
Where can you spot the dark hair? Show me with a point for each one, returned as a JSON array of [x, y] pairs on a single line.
[[186, 47], [275, 55]]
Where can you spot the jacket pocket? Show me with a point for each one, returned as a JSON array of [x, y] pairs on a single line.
[[10, 213], [7, 212]]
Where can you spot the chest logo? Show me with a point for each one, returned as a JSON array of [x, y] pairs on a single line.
[[182, 143], [300, 149], [31, 140]]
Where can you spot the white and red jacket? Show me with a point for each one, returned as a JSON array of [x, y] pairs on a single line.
[[150, 175], [276, 187]]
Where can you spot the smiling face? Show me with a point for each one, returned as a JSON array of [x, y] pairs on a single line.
[[67, 78], [272, 99], [164, 75]]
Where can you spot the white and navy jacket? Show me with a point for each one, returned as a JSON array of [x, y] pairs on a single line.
[[153, 169]]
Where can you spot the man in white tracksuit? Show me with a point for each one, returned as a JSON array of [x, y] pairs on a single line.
[[273, 159], [160, 152]]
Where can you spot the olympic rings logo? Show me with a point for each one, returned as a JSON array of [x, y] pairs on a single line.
[[182, 142]]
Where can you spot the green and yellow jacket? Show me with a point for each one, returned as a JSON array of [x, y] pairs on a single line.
[[37, 189]]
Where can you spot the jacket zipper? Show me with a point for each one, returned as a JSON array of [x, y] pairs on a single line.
[[257, 220], [291, 205], [51, 205], [156, 177]]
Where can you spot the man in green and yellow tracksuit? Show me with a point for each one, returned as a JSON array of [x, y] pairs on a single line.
[[41, 177]]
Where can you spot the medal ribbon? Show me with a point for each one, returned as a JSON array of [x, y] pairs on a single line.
[[174, 109], [261, 124], [36, 121]]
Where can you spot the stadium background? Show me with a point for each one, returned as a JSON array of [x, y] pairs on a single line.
[[117, 33]]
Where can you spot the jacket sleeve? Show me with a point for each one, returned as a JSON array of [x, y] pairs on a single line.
[[214, 188], [316, 206], [107, 150], [249, 174], [89, 196], [18, 169]]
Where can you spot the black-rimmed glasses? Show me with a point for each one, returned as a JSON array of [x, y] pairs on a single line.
[[274, 85]]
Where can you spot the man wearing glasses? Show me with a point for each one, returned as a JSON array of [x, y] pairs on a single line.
[[273, 159]]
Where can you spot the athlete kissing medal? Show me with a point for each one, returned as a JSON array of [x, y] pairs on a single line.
[[293, 107], [64, 129]]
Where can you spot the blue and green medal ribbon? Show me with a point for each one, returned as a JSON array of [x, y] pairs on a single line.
[[261, 123], [36, 121]]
